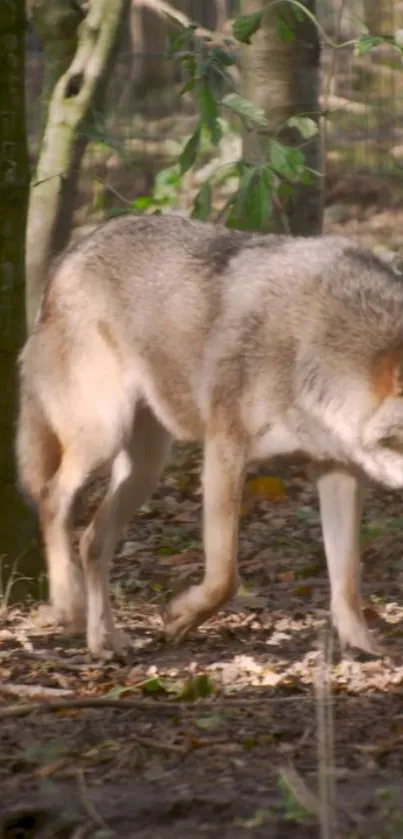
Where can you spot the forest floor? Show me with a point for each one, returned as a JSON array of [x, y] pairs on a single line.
[[222, 735]]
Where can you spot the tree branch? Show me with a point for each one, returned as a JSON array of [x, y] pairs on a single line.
[[166, 10]]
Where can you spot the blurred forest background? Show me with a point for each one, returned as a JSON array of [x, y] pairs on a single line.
[[143, 122]]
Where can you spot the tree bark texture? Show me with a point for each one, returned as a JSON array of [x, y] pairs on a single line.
[[384, 17], [19, 544], [57, 24], [74, 95], [283, 79]]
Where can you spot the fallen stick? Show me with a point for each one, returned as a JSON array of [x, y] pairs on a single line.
[[36, 691], [174, 705], [23, 709]]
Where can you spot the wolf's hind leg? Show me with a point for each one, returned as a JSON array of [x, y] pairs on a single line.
[[66, 585], [135, 473]]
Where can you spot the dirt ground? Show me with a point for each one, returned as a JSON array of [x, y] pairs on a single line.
[[238, 731]]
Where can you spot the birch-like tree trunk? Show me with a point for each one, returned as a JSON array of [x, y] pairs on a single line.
[[19, 544], [70, 104], [56, 24], [283, 79]]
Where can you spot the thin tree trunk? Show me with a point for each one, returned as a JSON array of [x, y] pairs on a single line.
[[283, 79], [384, 17], [19, 544], [381, 16], [57, 24], [53, 188]]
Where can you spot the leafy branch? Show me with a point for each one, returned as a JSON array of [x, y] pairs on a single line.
[[206, 59]]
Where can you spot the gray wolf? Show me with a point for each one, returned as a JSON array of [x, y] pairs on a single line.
[[160, 328]]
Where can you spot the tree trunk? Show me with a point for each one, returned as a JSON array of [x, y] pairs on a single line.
[[53, 188], [381, 16], [283, 79], [57, 25], [19, 544]]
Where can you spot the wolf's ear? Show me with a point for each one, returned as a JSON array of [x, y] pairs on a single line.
[[387, 376]]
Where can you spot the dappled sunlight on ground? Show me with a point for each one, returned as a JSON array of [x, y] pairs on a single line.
[[218, 735]]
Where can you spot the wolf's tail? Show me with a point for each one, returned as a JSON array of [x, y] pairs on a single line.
[[38, 449]]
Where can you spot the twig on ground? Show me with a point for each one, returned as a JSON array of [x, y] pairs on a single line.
[[301, 792], [33, 691], [23, 709], [89, 808], [150, 743], [82, 831], [57, 661]]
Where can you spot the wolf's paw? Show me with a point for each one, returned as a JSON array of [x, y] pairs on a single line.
[[353, 631], [179, 619], [106, 645], [71, 616], [191, 608]]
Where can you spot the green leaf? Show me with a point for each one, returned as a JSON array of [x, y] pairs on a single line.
[[306, 126], [199, 687], [167, 183], [284, 31], [245, 26], [142, 203], [177, 41], [223, 57], [209, 723], [286, 192], [188, 87], [298, 13], [286, 160], [202, 203], [166, 550], [189, 64], [209, 113], [278, 156], [188, 155], [246, 176], [153, 685], [260, 201], [365, 43], [246, 109], [118, 691], [307, 176], [253, 206]]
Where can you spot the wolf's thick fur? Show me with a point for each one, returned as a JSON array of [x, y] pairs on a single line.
[[158, 328]]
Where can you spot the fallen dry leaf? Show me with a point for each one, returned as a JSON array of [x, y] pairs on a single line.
[[267, 487]]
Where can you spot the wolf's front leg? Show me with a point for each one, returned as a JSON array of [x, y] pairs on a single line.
[[224, 462], [341, 496]]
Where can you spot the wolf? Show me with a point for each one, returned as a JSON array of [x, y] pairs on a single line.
[[155, 328]]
